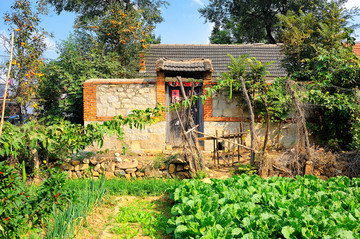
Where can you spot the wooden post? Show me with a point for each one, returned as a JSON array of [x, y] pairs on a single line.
[[252, 118], [217, 148], [6, 85]]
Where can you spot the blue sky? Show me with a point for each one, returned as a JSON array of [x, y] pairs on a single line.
[[182, 24]]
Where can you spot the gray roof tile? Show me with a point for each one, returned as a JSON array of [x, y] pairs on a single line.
[[217, 53]]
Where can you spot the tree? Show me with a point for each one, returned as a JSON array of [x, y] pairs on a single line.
[[105, 45], [318, 50], [29, 45], [255, 21], [89, 9]]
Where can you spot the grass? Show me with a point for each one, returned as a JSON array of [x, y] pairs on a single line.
[[63, 222], [143, 217]]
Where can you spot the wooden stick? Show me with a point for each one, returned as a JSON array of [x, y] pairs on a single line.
[[216, 137], [6, 84], [190, 130]]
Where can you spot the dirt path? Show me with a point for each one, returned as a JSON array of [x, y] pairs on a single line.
[[104, 224]]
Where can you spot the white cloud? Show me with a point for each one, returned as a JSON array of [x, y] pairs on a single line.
[[198, 2], [352, 3]]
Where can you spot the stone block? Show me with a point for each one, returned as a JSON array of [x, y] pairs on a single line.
[[172, 168], [75, 162], [74, 175], [186, 167], [133, 175], [179, 167], [77, 167], [119, 173], [93, 160], [130, 170], [128, 176], [83, 166], [86, 161], [95, 174], [66, 166], [109, 175], [183, 175], [140, 174], [97, 168], [127, 164], [78, 174]]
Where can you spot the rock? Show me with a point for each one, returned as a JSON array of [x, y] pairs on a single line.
[[119, 173], [323, 177], [74, 175], [179, 167], [140, 174], [69, 173], [83, 166], [182, 175], [128, 176], [95, 174], [147, 172], [93, 160], [163, 167], [75, 162], [177, 161], [140, 166], [133, 175], [118, 159], [206, 180], [130, 170], [86, 161], [66, 166], [117, 155], [77, 167], [78, 173], [109, 175], [172, 168], [127, 164], [97, 168], [168, 147], [103, 165], [186, 167], [112, 166], [67, 160]]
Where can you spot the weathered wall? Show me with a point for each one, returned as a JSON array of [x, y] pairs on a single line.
[[286, 139], [121, 99], [222, 106]]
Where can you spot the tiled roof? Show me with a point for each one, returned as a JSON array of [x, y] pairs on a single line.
[[194, 65], [217, 53]]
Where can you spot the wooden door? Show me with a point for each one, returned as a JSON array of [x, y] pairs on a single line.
[[173, 127]]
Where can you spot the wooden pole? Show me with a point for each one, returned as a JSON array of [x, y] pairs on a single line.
[[6, 84], [252, 119], [216, 137]]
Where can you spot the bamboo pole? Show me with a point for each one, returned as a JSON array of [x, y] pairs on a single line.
[[6, 85], [216, 137]]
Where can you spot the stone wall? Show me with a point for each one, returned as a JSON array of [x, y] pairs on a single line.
[[222, 106], [121, 99], [286, 139]]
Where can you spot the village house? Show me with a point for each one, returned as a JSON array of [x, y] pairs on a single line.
[[105, 98]]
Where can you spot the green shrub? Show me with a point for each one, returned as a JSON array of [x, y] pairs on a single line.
[[13, 203]]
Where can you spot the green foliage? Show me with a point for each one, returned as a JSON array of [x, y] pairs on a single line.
[[61, 91], [315, 52], [106, 44], [14, 205], [59, 138], [51, 193], [255, 21], [65, 220], [248, 169], [150, 216], [251, 207], [151, 186]]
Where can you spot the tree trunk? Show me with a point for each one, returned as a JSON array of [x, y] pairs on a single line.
[[252, 118], [267, 125]]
